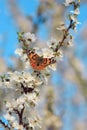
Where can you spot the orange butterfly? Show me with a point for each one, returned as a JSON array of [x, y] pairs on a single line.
[[38, 62]]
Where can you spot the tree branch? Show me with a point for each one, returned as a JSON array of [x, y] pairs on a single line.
[[5, 126]]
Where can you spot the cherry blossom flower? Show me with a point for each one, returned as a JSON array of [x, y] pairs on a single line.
[[29, 37]]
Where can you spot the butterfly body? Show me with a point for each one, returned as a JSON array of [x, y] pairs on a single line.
[[38, 62]]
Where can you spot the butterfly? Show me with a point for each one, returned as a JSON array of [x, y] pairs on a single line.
[[38, 62]]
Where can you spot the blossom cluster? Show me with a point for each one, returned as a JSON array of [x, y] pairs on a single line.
[[21, 111]]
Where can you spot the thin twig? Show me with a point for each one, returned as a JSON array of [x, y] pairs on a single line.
[[20, 115], [64, 36], [26, 89], [5, 126]]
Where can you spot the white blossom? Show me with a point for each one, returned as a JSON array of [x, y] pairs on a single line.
[[69, 43], [21, 76], [35, 122], [16, 125], [72, 17], [60, 54], [27, 64], [19, 51], [27, 77], [53, 66], [20, 100], [9, 117], [52, 42], [1, 84], [16, 76], [38, 51], [47, 53], [76, 11], [30, 97], [67, 2], [9, 106], [6, 84], [29, 37], [38, 83], [24, 57]]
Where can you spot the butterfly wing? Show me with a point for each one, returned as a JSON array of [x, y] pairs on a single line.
[[47, 61], [39, 63], [33, 57]]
